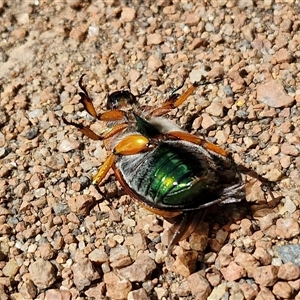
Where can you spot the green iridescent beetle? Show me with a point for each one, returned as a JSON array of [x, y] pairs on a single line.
[[167, 170]]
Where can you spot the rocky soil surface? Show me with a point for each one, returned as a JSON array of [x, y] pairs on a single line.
[[59, 237]]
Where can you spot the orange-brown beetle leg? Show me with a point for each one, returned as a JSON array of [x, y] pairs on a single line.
[[86, 100], [114, 130], [183, 227], [170, 104], [185, 136], [85, 130], [92, 135], [131, 144], [104, 169], [173, 103], [113, 115]]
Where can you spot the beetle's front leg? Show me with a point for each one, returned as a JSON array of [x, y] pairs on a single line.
[[94, 136], [85, 99], [173, 103], [175, 100]]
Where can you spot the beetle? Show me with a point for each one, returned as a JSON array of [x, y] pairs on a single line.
[[169, 171]]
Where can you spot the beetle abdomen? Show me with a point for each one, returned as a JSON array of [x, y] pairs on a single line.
[[173, 173]]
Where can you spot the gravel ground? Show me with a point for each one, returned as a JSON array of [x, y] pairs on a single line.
[[59, 239]]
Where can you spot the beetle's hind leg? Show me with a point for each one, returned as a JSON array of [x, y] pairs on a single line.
[[183, 226]]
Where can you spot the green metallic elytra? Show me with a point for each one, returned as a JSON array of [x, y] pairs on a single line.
[[171, 176], [175, 178]]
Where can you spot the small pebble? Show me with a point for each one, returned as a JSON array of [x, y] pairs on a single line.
[[283, 290], [199, 286], [11, 268], [289, 271], [140, 270], [58, 294], [68, 145], [287, 228], [185, 263], [272, 93], [232, 272], [116, 288], [290, 253], [84, 273], [266, 275], [32, 133], [42, 273]]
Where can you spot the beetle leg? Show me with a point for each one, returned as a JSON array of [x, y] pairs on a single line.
[[92, 135], [86, 100], [85, 130], [183, 227], [231, 194], [104, 169], [177, 230], [132, 144], [175, 101], [114, 130], [185, 136], [112, 115], [170, 104]]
